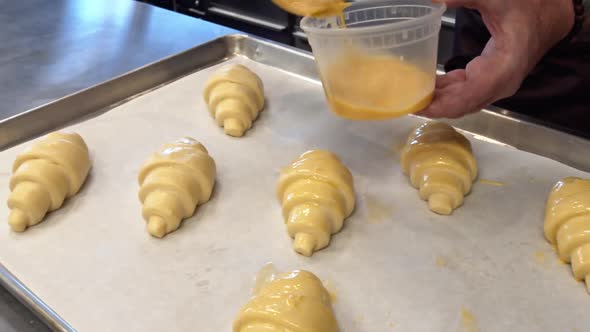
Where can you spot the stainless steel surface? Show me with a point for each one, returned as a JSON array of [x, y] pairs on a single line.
[[103, 97], [524, 134], [196, 11], [448, 20], [20, 291], [97, 98], [14, 316], [263, 10], [300, 34], [54, 48], [248, 19], [50, 49]]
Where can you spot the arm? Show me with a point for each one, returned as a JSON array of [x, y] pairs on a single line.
[[521, 33]]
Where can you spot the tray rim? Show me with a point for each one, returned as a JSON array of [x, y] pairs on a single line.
[[120, 89], [24, 295]]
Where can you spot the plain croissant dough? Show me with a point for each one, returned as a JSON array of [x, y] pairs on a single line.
[[293, 302], [173, 181], [567, 224], [440, 163], [44, 175], [234, 95], [316, 192]]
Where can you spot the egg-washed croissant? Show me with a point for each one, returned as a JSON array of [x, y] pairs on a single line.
[[567, 224], [235, 96], [293, 302], [440, 163], [317, 193], [44, 175], [173, 181]]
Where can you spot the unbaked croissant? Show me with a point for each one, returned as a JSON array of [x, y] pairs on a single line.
[[293, 302], [317, 194], [44, 175], [173, 181], [234, 95], [440, 163], [567, 224]]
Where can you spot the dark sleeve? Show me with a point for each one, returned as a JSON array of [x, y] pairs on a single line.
[[471, 36], [556, 90]]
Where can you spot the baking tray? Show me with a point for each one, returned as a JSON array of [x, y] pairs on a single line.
[[92, 267]]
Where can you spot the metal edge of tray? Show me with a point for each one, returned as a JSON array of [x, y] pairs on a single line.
[[34, 303], [103, 96], [528, 134], [496, 124]]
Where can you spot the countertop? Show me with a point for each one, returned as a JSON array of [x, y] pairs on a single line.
[[51, 49]]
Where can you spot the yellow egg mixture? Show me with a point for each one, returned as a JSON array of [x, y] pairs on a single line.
[[367, 86], [372, 87]]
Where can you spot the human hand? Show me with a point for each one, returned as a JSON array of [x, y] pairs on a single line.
[[522, 32]]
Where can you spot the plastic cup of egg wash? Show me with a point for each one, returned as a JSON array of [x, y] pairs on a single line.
[[378, 59]]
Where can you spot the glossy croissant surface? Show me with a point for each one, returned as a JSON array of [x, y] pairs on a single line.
[[567, 224], [440, 164], [293, 302], [44, 175], [235, 97], [173, 181], [316, 193]]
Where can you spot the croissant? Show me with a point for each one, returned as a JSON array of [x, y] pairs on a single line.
[[440, 163], [173, 181], [317, 194], [294, 302], [234, 95], [567, 224], [44, 175]]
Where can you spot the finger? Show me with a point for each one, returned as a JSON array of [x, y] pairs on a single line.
[[449, 78], [486, 79], [462, 92], [449, 103], [447, 97]]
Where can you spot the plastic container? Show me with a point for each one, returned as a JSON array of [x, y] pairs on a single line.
[[378, 60]]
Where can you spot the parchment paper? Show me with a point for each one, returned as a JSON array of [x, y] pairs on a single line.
[[395, 265]]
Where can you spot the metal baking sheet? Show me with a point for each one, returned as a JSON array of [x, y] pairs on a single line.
[[91, 266]]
